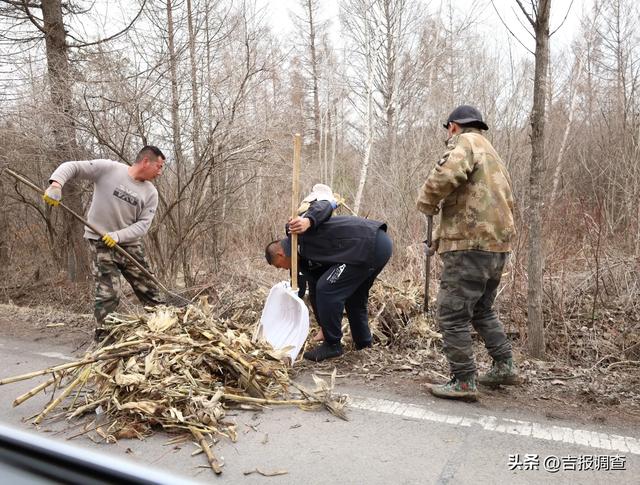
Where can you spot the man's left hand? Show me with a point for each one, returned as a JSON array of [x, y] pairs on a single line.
[[110, 240], [298, 225]]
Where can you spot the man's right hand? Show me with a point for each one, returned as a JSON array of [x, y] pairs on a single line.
[[110, 240], [298, 225], [53, 194], [433, 247]]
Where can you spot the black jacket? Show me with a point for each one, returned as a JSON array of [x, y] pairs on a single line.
[[339, 239]]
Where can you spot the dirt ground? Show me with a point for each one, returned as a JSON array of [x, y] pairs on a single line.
[[550, 390], [554, 391]]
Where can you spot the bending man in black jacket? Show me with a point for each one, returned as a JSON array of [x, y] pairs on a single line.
[[340, 257]]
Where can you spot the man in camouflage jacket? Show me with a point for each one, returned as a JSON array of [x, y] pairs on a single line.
[[471, 189]]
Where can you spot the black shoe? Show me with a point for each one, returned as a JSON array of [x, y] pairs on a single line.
[[324, 351], [364, 345]]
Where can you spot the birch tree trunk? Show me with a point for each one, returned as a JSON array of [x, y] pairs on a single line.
[[567, 129], [392, 25], [195, 97], [312, 9], [369, 116]]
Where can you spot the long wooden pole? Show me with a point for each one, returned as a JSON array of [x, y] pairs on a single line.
[[295, 195]]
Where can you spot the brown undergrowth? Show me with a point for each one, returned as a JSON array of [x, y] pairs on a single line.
[[592, 350]]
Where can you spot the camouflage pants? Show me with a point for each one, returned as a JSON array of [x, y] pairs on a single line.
[[107, 267], [468, 289]]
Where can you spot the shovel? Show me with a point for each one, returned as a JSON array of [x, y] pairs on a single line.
[[285, 318], [172, 298]]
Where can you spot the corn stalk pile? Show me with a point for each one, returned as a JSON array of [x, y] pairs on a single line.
[[397, 317], [177, 370]]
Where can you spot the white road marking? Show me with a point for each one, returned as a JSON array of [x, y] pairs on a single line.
[[56, 355], [593, 439]]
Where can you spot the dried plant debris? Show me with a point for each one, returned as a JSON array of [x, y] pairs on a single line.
[[398, 318], [175, 369]]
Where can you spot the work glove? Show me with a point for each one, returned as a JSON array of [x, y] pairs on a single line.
[[110, 239], [53, 195]]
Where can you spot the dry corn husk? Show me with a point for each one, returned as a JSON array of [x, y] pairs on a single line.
[[177, 370], [397, 316]]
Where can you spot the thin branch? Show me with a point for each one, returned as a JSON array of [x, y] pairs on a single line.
[[522, 23], [510, 31], [564, 19], [526, 14], [116, 35], [33, 20]]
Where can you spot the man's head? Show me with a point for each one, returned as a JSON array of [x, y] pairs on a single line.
[[149, 163], [464, 116], [277, 254]]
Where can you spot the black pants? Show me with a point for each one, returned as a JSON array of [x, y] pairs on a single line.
[[339, 287]]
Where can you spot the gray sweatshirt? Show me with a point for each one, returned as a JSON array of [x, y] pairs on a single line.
[[120, 205]]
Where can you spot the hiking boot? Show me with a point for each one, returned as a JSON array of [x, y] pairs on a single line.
[[463, 388], [324, 351], [502, 372]]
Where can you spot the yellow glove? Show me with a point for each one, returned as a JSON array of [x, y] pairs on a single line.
[[109, 240], [53, 195]]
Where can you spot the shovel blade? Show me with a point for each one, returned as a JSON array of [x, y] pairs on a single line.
[[285, 320]]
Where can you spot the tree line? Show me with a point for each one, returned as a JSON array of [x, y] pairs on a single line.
[[221, 92]]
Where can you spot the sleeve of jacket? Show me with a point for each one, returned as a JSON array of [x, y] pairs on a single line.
[[319, 211], [81, 169], [451, 171]]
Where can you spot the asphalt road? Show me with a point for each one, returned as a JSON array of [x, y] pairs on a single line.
[[389, 439]]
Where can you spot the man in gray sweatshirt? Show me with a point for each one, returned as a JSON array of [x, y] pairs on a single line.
[[123, 205]]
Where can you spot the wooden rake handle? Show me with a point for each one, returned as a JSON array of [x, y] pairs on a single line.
[[295, 194], [117, 247]]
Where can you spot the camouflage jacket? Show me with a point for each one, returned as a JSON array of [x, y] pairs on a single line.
[[471, 189]]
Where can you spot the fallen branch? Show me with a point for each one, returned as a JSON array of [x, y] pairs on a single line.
[[211, 458]]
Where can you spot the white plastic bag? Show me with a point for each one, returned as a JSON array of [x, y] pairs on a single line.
[[285, 320]]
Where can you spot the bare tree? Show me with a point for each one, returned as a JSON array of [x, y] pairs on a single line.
[[538, 18], [47, 17], [572, 101], [358, 19], [312, 30]]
